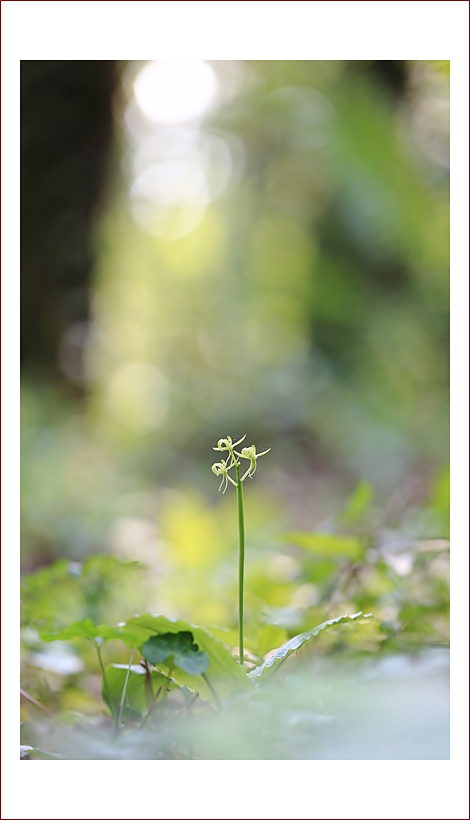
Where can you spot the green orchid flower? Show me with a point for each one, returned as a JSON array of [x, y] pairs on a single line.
[[221, 468], [227, 445], [251, 454]]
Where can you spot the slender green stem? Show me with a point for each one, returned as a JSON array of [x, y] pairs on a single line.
[[148, 684], [165, 691], [149, 710], [105, 680], [241, 563], [214, 693], [123, 695]]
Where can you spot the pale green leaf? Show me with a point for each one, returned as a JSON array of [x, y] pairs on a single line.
[[84, 629], [137, 693], [278, 657]]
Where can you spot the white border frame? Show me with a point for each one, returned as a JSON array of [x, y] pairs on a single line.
[[239, 30]]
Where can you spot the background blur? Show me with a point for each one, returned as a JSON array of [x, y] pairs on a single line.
[[220, 248]]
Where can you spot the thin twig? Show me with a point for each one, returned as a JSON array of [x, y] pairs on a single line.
[[105, 680], [167, 687], [189, 705], [148, 683], [209, 684], [36, 703], [151, 707]]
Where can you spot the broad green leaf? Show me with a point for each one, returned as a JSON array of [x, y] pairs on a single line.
[[180, 648], [84, 629], [80, 629], [224, 674], [326, 545], [138, 691], [229, 637], [281, 654]]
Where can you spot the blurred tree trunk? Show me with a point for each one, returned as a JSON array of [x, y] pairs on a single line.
[[66, 136]]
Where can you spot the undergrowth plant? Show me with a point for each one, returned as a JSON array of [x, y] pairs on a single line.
[[222, 468]]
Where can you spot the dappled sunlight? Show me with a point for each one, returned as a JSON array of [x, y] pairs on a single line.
[[175, 164], [175, 91]]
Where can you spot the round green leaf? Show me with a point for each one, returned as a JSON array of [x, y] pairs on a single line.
[[180, 650]]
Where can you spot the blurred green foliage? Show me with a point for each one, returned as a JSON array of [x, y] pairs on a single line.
[[293, 581], [401, 580]]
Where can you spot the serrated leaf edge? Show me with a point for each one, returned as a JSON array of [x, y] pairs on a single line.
[[298, 640]]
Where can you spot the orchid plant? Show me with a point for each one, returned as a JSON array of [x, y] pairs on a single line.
[[222, 469]]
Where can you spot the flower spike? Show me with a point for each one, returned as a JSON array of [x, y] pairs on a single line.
[[222, 469]]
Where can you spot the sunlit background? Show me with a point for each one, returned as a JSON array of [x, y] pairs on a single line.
[[219, 248]]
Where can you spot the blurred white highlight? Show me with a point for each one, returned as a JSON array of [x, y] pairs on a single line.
[[175, 91], [177, 167]]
